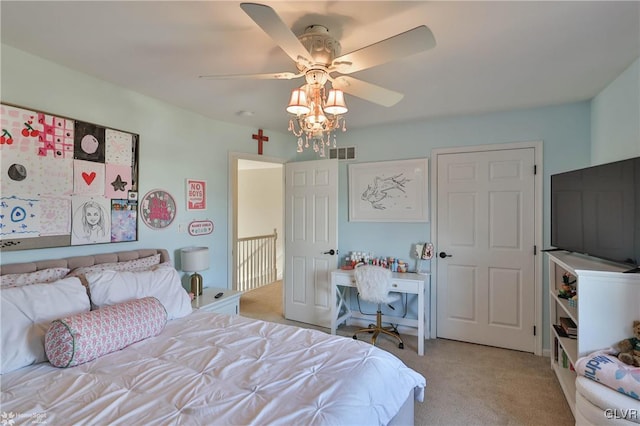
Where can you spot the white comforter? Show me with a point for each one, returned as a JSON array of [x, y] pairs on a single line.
[[216, 369]]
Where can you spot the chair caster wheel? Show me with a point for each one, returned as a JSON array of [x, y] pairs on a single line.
[[400, 345]]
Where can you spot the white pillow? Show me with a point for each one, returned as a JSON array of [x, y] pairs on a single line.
[[111, 287], [26, 313], [134, 265], [38, 277]]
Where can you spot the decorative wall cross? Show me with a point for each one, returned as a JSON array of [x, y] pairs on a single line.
[[260, 138]]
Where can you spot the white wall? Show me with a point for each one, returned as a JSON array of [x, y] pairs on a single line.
[[615, 118], [260, 206]]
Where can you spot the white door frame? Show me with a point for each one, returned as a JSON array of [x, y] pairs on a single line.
[[232, 203], [538, 233]]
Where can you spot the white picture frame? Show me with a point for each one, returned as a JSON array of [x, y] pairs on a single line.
[[389, 191]]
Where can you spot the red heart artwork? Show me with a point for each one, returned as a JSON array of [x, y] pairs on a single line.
[[88, 177]]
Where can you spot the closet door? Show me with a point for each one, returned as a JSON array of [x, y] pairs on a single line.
[[486, 261]]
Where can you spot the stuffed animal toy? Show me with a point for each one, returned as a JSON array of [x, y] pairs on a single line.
[[629, 349]]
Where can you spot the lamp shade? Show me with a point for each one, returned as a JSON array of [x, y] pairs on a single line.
[[298, 102], [194, 259], [335, 102]]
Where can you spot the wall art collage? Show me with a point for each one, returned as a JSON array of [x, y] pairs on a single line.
[[65, 182]]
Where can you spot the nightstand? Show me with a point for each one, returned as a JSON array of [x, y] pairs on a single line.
[[228, 303]]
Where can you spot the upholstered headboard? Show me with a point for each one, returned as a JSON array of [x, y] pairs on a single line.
[[78, 261]]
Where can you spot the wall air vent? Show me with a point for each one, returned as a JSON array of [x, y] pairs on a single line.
[[347, 153]]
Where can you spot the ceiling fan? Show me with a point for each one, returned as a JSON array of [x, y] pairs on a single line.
[[317, 55]]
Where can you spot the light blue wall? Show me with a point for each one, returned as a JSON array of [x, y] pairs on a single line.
[[175, 144], [564, 130], [615, 118]]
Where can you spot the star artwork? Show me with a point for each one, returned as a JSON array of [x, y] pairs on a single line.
[[119, 184]]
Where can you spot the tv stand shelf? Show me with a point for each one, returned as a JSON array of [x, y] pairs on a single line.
[[608, 301]]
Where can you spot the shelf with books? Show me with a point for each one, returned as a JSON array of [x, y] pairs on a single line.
[[566, 376], [569, 345], [568, 326], [607, 304]]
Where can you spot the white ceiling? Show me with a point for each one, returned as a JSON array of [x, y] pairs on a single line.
[[490, 56]]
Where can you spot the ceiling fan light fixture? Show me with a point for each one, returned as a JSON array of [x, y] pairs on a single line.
[[316, 116], [335, 102], [316, 77], [315, 126], [298, 104]]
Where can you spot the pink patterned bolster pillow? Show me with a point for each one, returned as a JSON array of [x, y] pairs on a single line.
[[83, 337]]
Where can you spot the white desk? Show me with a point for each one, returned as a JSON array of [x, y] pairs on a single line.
[[411, 283]]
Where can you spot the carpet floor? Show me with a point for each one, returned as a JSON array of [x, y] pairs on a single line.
[[467, 384]]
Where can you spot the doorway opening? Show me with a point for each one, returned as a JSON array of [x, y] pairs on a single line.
[[257, 242]]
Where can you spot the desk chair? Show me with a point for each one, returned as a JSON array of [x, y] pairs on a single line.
[[374, 284]]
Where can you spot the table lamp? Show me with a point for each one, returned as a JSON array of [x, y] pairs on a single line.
[[195, 259]]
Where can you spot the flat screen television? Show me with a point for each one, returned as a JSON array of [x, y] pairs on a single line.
[[596, 211]]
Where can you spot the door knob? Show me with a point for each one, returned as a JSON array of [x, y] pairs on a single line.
[[331, 252], [443, 255]]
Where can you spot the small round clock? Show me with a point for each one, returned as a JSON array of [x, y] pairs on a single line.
[[157, 209]]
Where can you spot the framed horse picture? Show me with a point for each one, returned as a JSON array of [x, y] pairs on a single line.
[[389, 191]]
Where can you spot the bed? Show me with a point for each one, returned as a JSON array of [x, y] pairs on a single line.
[[197, 367]]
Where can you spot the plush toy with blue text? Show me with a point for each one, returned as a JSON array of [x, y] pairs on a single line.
[[629, 349]]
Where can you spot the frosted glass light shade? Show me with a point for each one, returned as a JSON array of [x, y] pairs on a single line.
[[335, 102], [298, 103], [194, 259], [317, 116]]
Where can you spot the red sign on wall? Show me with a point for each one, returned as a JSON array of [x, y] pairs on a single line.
[[196, 194]]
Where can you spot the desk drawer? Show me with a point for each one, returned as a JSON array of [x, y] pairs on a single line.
[[402, 285], [345, 279], [405, 286]]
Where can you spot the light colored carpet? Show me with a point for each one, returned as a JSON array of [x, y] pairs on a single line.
[[467, 384]]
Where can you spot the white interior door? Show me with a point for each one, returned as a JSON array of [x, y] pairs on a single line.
[[486, 230], [311, 233]]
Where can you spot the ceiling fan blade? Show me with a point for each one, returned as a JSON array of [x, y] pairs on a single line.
[[269, 76], [270, 22], [397, 47], [367, 91]]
